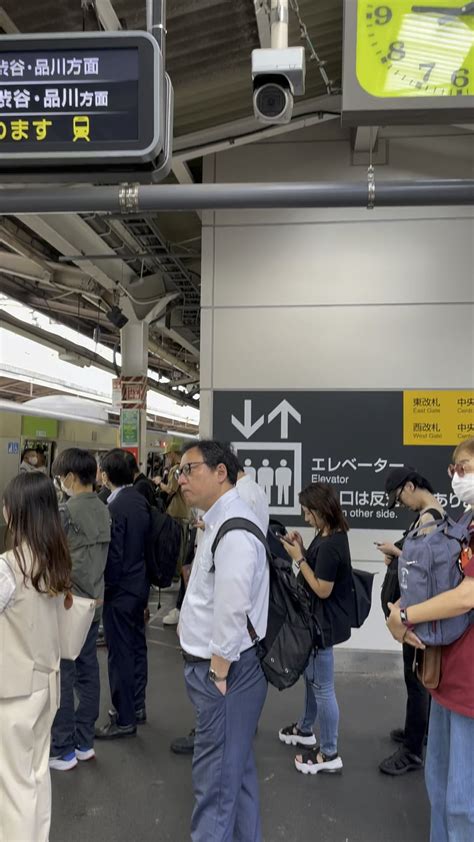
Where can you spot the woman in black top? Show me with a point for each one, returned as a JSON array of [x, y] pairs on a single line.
[[326, 567]]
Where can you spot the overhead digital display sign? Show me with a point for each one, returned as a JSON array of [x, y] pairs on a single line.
[[80, 99]]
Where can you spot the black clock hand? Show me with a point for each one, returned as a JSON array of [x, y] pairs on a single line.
[[448, 11]]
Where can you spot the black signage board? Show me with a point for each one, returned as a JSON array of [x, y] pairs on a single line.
[[79, 99], [286, 440]]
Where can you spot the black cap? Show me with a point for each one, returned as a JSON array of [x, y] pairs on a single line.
[[395, 479]]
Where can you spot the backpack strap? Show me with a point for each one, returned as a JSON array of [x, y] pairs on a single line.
[[247, 526]]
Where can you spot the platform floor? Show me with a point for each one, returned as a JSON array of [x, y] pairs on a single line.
[[138, 791]]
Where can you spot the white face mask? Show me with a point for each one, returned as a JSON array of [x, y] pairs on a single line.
[[66, 490], [463, 488], [33, 460]]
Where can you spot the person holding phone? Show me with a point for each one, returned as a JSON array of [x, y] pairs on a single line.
[[326, 569], [408, 489]]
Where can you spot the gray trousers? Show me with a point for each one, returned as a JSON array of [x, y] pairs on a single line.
[[224, 773]]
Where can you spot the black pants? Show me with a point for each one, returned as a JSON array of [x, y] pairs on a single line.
[[124, 627], [417, 711]]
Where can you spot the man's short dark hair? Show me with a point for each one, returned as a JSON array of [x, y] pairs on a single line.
[[76, 461], [131, 462], [117, 467], [216, 453]]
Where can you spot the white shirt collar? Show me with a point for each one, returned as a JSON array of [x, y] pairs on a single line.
[[215, 513], [115, 493]]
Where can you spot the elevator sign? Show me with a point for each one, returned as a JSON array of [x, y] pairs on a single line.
[[79, 99]]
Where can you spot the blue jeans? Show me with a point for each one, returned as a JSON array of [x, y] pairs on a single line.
[[449, 775], [75, 727], [320, 699], [225, 778]]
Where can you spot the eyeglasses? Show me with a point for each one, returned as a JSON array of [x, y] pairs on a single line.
[[458, 468], [186, 469], [398, 501]]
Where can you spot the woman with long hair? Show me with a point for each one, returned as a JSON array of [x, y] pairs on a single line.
[[326, 568], [33, 573]]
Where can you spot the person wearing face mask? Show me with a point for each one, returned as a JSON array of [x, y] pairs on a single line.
[[449, 768], [87, 525], [408, 489], [29, 461]]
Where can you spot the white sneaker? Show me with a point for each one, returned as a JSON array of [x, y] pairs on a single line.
[[63, 764], [171, 618], [85, 753]]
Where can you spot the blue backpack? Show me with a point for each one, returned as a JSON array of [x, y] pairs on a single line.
[[428, 566]]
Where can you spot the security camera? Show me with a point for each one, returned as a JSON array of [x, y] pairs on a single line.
[[278, 76]]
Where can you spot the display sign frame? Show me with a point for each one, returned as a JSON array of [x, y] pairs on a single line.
[[151, 129]]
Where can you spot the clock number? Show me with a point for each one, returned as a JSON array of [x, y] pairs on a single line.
[[383, 15], [430, 68], [460, 78], [396, 51]]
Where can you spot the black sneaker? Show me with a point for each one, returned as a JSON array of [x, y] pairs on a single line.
[[113, 731], [293, 736], [140, 715], [184, 745], [400, 762]]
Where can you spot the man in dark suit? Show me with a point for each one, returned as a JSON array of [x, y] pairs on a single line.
[[125, 599]]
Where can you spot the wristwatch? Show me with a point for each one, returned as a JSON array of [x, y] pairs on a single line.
[[404, 619], [217, 679]]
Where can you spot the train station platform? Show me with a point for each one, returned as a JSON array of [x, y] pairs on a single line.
[[138, 791]]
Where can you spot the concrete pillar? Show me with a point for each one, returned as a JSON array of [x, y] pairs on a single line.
[[134, 349]]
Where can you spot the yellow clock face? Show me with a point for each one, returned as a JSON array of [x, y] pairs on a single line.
[[415, 48]]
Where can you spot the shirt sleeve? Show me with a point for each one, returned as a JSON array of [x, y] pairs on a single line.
[[7, 586], [327, 562], [114, 566], [235, 565]]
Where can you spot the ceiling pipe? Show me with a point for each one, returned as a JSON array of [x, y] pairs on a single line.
[[135, 198], [156, 23], [279, 24]]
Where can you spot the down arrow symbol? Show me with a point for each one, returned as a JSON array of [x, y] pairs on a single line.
[[247, 428]]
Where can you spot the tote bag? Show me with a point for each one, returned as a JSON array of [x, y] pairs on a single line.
[[75, 616]]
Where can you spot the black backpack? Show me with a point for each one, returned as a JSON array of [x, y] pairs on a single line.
[[362, 583], [163, 549], [292, 629]]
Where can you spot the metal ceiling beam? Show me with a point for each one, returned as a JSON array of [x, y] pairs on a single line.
[[106, 15], [307, 112], [365, 138], [59, 344], [7, 24], [262, 15]]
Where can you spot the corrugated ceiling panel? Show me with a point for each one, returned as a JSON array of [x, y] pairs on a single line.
[[208, 48]]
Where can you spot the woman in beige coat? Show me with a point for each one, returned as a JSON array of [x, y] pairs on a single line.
[[32, 574]]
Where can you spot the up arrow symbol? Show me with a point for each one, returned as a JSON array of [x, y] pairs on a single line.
[[247, 428], [284, 409]]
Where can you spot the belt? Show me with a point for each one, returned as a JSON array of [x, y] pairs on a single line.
[[195, 659]]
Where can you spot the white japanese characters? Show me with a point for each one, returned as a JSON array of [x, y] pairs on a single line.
[[53, 66]]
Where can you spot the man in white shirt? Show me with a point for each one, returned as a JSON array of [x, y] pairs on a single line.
[[223, 675], [255, 497]]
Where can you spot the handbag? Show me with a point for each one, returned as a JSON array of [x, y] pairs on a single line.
[[75, 616], [428, 666]]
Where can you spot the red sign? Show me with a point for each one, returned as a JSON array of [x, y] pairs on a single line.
[[133, 450], [134, 392]]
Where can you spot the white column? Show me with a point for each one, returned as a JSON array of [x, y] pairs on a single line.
[[134, 349]]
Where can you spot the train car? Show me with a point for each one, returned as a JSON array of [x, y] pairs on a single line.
[[51, 424]]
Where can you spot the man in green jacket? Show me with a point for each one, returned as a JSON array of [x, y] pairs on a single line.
[[87, 524]]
